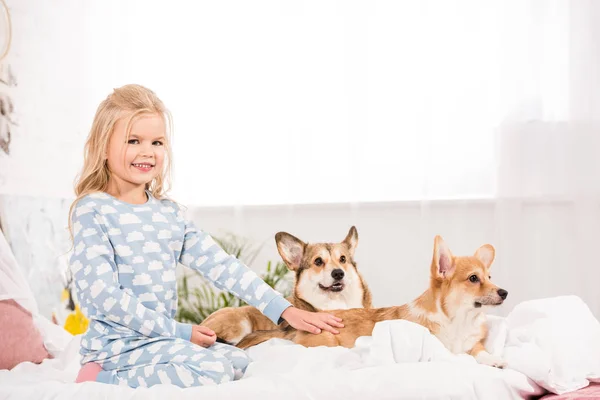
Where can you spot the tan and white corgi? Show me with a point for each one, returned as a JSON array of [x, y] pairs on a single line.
[[452, 308], [326, 278]]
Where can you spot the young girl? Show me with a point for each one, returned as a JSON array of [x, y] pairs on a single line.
[[128, 239]]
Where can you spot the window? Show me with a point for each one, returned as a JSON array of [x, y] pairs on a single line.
[[330, 103]]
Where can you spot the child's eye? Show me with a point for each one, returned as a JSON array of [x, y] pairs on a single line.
[[157, 143], [133, 141]]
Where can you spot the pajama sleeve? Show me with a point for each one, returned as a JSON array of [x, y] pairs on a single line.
[[95, 273], [201, 253]]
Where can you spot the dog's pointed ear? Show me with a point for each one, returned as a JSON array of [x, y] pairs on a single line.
[[486, 255], [351, 240], [442, 265], [291, 249]]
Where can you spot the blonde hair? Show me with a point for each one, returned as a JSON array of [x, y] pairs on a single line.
[[127, 101]]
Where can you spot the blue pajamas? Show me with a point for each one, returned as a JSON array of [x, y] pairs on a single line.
[[148, 362], [124, 262]]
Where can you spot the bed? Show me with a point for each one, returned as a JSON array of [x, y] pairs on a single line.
[[551, 345], [284, 370]]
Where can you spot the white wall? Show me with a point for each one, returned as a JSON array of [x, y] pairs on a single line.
[[51, 103], [540, 249]]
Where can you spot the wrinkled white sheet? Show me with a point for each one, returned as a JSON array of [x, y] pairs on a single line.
[[401, 360], [12, 281], [285, 370], [555, 341]]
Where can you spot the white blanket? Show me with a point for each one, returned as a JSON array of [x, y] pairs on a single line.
[[285, 370], [553, 343], [556, 342]]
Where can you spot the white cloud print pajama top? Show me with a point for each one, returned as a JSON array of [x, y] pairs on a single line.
[[123, 262]]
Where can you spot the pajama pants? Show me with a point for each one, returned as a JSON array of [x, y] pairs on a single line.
[[147, 362]]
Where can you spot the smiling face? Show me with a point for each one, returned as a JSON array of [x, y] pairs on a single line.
[[136, 159]]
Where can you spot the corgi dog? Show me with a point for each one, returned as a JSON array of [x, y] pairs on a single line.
[[326, 278], [452, 308]]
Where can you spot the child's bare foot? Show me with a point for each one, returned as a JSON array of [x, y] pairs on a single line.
[[88, 373]]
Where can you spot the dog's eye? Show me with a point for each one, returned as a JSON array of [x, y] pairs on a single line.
[[343, 259], [319, 261], [474, 278]]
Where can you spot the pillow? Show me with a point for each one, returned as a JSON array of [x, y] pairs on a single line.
[[20, 340], [590, 392]]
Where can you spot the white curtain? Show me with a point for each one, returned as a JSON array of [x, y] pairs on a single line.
[[319, 102]]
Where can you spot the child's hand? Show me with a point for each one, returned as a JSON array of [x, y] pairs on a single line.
[[310, 321], [202, 336]]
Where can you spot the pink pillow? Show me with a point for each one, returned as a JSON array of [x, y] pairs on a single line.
[[19, 338], [589, 392]]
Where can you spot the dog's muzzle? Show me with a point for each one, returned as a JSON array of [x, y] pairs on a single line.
[[492, 300], [337, 286]]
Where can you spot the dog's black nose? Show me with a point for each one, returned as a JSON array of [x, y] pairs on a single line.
[[502, 293], [337, 273]]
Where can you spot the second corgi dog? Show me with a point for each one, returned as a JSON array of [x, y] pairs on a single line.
[[326, 279], [452, 308]]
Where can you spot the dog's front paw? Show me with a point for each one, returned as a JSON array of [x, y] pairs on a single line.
[[488, 359]]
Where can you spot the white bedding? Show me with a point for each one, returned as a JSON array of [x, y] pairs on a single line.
[[549, 343], [285, 370]]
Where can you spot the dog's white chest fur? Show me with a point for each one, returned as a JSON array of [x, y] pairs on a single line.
[[462, 332], [458, 334]]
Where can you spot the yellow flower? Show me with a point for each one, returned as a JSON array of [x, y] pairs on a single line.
[[76, 323]]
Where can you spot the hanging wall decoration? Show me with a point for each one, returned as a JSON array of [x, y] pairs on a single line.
[[7, 82]]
